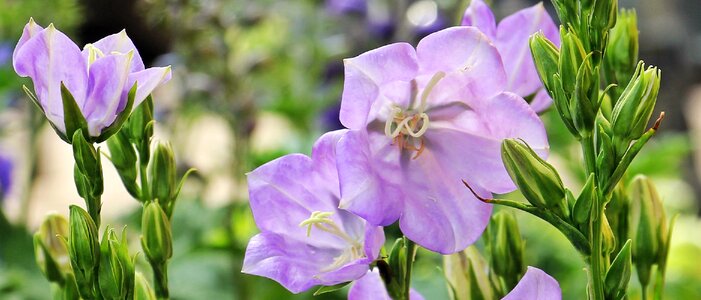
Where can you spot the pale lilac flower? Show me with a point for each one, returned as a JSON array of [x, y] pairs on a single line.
[[99, 77], [421, 121], [535, 285], [305, 239], [372, 287], [511, 39]]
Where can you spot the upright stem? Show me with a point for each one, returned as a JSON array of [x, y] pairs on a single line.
[[145, 189], [411, 252], [160, 280], [596, 256]]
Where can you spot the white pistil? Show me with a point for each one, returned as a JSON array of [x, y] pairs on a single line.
[[322, 221]]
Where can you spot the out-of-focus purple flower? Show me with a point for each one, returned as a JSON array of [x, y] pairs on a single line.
[[535, 285], [340, 7], [421, 121], [305, 239], [511, 39], [6, 167], [372, 287], [5, 53], [99, 77]]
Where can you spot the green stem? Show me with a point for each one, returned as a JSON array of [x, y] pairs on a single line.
[[160, 280], [595, 259], [587, 142], [145, 188]]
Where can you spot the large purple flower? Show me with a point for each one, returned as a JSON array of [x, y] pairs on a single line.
[[99, 78], [511, 39], [421, 120], [305, 239]]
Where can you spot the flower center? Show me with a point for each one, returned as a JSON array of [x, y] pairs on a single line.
[[322, 221], [406, 128]]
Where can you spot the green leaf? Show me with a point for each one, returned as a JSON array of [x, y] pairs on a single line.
[[328, 289]]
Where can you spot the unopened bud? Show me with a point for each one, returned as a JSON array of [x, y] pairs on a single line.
[[546, 57], [585, 99], [123, 157], [609, 240], [50, 250], [116, 271], [83, 248], [572, 54], [506, 248], [602, 18], [537, 180], [142, 289], [163, 181], [648, 225], [567, 11], [156, 238], [622, 50], [464, 272], [581, 213], [618, 275], [634, 108]]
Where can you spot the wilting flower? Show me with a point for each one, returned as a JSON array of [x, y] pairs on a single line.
[[511, 39], [371, 286], [421, 120], [99, 78], [305, 239]]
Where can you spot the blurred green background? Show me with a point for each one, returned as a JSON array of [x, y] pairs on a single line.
[[254, 80]]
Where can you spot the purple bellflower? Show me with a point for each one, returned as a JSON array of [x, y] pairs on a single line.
[[420, 121], [372, 287], [511, 39], [99, 77], [305, 239], [535, 285]]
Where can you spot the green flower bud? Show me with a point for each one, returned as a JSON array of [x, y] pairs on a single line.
[[139, 127], [83, 249], [618, 275], [606, 156], [142, 289], [87, 164], [581, 212], [609, 240], [506, 248], [622, 50], [123, 157], [617, 213], [572, 55], [116, 271], [464, 273], [648, 226], [602, 18], [567, 11], [163, 181], [50, 250], [585, 99], [537, 180], [156, 239], [546, 57], [633, 109]]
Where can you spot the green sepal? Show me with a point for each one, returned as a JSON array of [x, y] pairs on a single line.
[[70, 288], [162, 177], [562, 105], [583, 205], [48, 266], [505, 248], [156, 236], [142, 289], [121, 118], [88, 162], [72, 116], [397, 269], [33, 98], [618, 275], [332, 288]]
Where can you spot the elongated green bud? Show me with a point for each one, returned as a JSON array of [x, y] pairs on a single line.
[[537, 180], [83, 249], [142, 289], [648, 225], [572, 54], [163, 181], [618, 275], [124, 159], [156, 238], [584, 104], [464, 272], [567, 11], [546, 57], [50, 251], [116, 271], [622, 50], [634, 108], [582, 208], [506, 248]]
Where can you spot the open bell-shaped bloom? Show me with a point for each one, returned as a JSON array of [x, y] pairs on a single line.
[[511, 39], [372, 287], [305, 239], [420, 121], [99, 78]]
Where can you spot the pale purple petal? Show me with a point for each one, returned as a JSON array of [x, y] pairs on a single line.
[[541, 101], [440, 214], [535, 285], [479, 15], [106, 81], [465, 50], [49, 58], [512, 41], [370, 177], [29, 31], [119, 43], [146, 81], [372, 287], [367, 73]]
